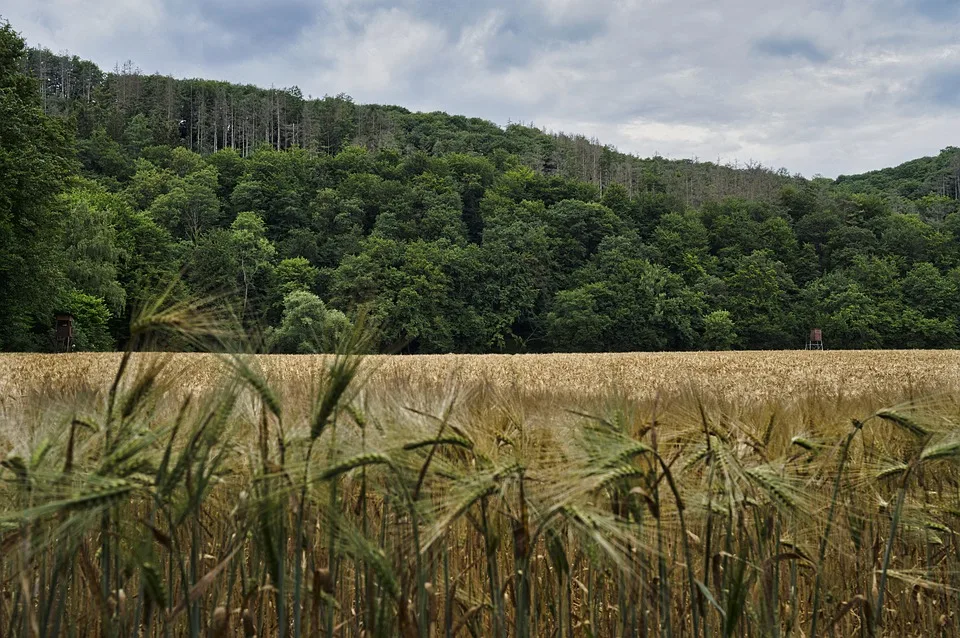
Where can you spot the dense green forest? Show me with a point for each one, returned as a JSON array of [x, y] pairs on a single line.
[[453, 234]]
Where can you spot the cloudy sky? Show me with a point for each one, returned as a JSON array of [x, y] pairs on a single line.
[[816, 86]]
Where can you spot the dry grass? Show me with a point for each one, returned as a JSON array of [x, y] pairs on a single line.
[[734, 494]]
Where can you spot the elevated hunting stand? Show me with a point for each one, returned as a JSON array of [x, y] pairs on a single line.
[[63, 332], [815, 342]]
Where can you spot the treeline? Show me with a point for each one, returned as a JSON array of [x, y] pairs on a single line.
[[452, 234], [206, 116], [923, 177]]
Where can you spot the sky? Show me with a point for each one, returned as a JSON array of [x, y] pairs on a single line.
[[823, 87]]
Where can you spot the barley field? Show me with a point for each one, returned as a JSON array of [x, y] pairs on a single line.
[[692, 494], [742, 377]]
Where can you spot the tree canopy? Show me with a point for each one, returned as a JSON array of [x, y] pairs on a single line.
[[452, 234]]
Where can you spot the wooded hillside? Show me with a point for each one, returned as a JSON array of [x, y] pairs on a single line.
[[454, 233]]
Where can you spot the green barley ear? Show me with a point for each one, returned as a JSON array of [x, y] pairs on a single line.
[[942, 450], [892, 470], [352, 463], [257, 381], [904, 421], [780, 492], [17, 466], [804, 443], [341, 374], [201, 323]]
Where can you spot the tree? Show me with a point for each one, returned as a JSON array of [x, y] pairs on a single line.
[[473, 176], [416, 293], [90, 244], [907, 236], [683, 243], [230, 167], [575, 323], [35, 161], [104, 156], [278, 186], [254, 256], [847, 314], [148, 182], [814, 228], [138, 134], [296, 274], [759, 297], [213, 267], [308, 326], [149, 260], [459, 235], [519, 275], [91, 320], [929, 292], [636, 304], [429, 209], [190, 206], [719, 332], [579, 228], [335, 229]]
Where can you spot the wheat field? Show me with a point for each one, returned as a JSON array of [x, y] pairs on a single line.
[[686, 494], [740, 376]]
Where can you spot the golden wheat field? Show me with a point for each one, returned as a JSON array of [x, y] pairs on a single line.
[[741, 376], [723, 495]]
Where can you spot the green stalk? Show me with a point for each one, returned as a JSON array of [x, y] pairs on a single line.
[[888, 550], [664, 577], [194, 562], [685, 544], [281, 584], [821, 555], [298, 561], [298, 547], [495, 599], [521, 553], [447, 596], [332, 529], [708, 534]]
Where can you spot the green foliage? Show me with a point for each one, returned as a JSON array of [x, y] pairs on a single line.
[[411, 291], [296, 274], [190, 205], [719, 331], [91, 319], [103, 156], [254, 255], [35, 159], [576, 322], [308, 326], [138, 135], [90, 243], [914, 179], [759, 291], [453, 233], [633, 304], [683, 242]]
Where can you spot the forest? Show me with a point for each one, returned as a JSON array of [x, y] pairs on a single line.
[[451, 234]]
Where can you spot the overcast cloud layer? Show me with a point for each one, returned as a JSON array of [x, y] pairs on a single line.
[[819, 86]]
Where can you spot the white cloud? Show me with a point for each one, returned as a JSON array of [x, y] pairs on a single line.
[[392, 48], [826, 86], [645, 133]]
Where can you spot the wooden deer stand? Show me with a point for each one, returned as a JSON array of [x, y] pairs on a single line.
[[815, 342], [63, 332]]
